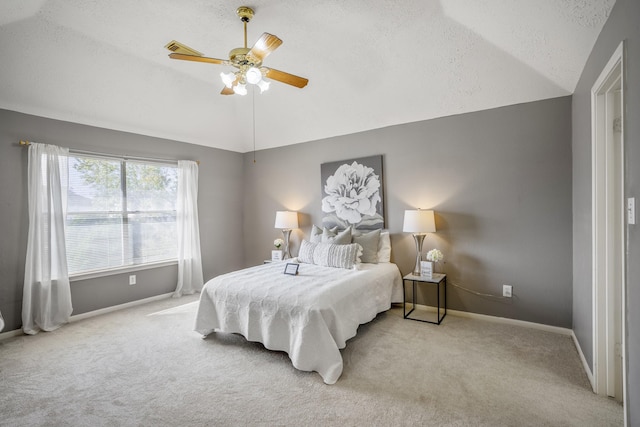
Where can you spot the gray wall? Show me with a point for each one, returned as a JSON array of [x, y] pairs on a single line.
[[621, 25], [499, 181], [219, 204]]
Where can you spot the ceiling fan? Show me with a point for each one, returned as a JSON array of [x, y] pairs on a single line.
[[247, 61]]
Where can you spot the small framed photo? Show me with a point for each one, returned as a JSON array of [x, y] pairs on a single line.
[[291, 268], [426, 269], [276, 255]]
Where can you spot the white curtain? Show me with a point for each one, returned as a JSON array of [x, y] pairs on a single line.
[[190, 277], [46, 302]]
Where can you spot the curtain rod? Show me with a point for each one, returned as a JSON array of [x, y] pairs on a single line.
[[24, 143]]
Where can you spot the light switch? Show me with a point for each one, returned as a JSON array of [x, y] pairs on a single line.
[[631, 210]]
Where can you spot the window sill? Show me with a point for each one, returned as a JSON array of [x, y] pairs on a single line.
[[120, 270]]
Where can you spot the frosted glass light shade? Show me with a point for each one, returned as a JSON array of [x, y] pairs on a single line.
[[228, 79], [240, 89], [419, 221], [253, 75], [286, 220], [263, 85]]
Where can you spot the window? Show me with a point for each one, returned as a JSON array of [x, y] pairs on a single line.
[[119, 213]]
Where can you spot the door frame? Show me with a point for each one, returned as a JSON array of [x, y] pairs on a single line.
[[602, 302]]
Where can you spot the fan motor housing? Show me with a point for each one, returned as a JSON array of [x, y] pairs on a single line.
[[245, 13], [239, 57]]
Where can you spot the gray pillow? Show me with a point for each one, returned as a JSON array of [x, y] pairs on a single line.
[[341, 238], [369, 243], [316, 233]]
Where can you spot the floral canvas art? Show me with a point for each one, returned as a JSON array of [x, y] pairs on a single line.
[[352, 194]]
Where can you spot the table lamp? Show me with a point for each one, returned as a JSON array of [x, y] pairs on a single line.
[[419, 222], [286, 220]]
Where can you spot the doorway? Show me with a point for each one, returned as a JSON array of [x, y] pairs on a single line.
[[608, 238]]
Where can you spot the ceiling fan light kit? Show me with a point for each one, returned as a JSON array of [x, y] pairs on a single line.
[[248, 62]]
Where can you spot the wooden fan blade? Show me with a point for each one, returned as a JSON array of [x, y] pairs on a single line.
[[198, 58], [177, 47], [287, 78], [229, 90], [266, 44]]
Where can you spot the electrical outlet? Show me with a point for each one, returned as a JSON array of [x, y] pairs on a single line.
[[631, 210], [132, 279], [507, 290]]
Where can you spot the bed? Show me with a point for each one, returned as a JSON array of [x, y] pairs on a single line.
[[310, 315]]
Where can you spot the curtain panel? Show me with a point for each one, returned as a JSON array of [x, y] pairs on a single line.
[[190, 277], [46, 302]]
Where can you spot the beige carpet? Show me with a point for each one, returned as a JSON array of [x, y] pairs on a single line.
[[145, 366]]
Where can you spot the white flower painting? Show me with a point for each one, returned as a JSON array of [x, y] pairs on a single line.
[[352, 194]]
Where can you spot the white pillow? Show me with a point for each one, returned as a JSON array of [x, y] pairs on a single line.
[[384, 247]]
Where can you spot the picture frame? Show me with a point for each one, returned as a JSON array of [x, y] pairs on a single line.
[[291, 268], [426, 269], [361, 180], [276, 255]]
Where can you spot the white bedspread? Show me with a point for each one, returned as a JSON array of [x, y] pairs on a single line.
[[310, 316]]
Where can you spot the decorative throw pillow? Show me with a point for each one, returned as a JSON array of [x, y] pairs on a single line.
[[341, 238], [384, 247], [340, 256], [305, 254], [316, 233], [369, 242]]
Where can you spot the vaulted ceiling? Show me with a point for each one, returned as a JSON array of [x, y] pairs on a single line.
[[370, 64]]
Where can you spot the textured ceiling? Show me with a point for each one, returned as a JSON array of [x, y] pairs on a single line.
[[369, 64]]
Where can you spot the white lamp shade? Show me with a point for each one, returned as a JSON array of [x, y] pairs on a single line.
[[419, 221], [286, 220]]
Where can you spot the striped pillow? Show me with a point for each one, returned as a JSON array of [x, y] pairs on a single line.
[[340, 256], [305, 254], [330, 255]]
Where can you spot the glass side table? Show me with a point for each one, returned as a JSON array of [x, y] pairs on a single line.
[[437, 280]]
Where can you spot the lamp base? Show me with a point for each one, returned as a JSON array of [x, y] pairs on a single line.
[[418, 238], [286, 234]]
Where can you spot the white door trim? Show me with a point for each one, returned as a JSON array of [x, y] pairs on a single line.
[[600, 159]]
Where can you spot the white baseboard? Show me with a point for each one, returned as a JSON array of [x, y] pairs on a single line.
[[106, 310], [504, 320], [539, 326], [585, 365], [77, 317], [10, 334]]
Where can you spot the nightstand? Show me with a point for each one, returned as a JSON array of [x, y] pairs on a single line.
[[437, 280]]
